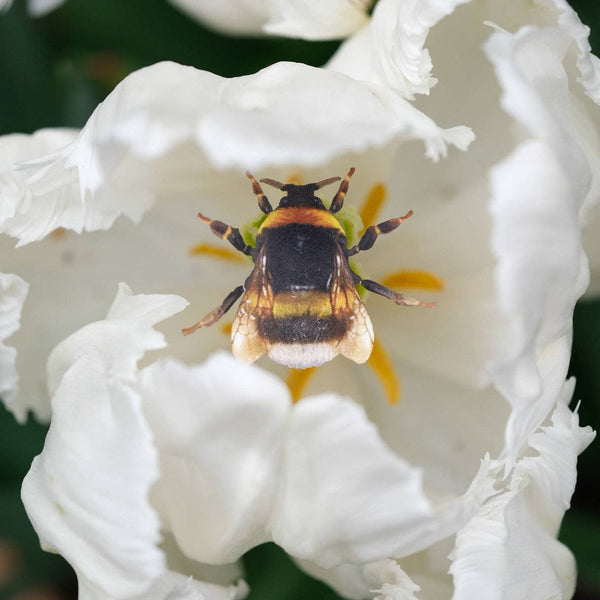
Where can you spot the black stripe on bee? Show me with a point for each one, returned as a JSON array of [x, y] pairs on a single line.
[[303, 329]]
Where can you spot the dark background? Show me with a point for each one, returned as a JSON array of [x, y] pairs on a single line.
[[53, 72]]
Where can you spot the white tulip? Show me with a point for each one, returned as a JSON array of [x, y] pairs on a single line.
[[458, 490]]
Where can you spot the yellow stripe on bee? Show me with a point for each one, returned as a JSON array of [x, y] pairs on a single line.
[[372, 205], [307, 216], [423, 280], [217, 252], [382, 366], [295, 304], [297, 380]]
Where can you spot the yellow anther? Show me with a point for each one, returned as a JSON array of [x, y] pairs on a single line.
[[381, 364], [372, 205], [295, 179], [217, 252], [423, 280], [379, 361], [59, 233], [297, 380]]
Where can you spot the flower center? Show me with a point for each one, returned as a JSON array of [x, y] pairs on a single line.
[[379, 361]]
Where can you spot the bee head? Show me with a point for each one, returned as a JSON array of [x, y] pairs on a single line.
[[300, 195]]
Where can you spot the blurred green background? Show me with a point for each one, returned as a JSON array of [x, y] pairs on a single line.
[[53, 72]]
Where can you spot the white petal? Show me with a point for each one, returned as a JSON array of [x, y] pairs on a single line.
[[280, 102], [509, 550], [540, 259], [64, 295], [36, 8], [177, 562], [343, 496], [168, 120], [174, 586], [537, 196], [550, 477], [13, 291], [39, 8], [503, 554], [227, 16], [428, 428], [327, 19], [120, 340], [390, 50], [384, 578], [29, 211], [389, 581], [459, 337], [323, 20], [87, 493], [219, 430], [587, 63]]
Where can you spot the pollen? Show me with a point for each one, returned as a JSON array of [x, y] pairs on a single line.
[[297, 380], [226, 328], [372, 205], [423, 280], [382, 366], [59, 233], [217, 252], [295, 179]]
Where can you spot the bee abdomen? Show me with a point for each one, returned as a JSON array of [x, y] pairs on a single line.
[[302, 356], [301, 317]]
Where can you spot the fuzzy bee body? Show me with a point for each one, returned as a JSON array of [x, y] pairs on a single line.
[[301, 320], [300, 305]]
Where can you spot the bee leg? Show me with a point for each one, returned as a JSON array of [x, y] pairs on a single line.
[[370, 235], [214, 315], [229, 233], [263, 201], [338, 199], [401, 299]]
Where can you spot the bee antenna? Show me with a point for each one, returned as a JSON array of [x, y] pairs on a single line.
[[325, 182], [273, 183]]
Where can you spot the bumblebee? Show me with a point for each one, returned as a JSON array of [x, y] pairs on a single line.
[[300, 304]]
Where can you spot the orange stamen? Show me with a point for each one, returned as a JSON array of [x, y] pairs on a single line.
[[295, 179], [423, 280], [381, 364], [372, 205], [297, 380], [59, 233], [217, 251]]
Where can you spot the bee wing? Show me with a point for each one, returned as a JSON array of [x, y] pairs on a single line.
[[357, 343], [257, 302]]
